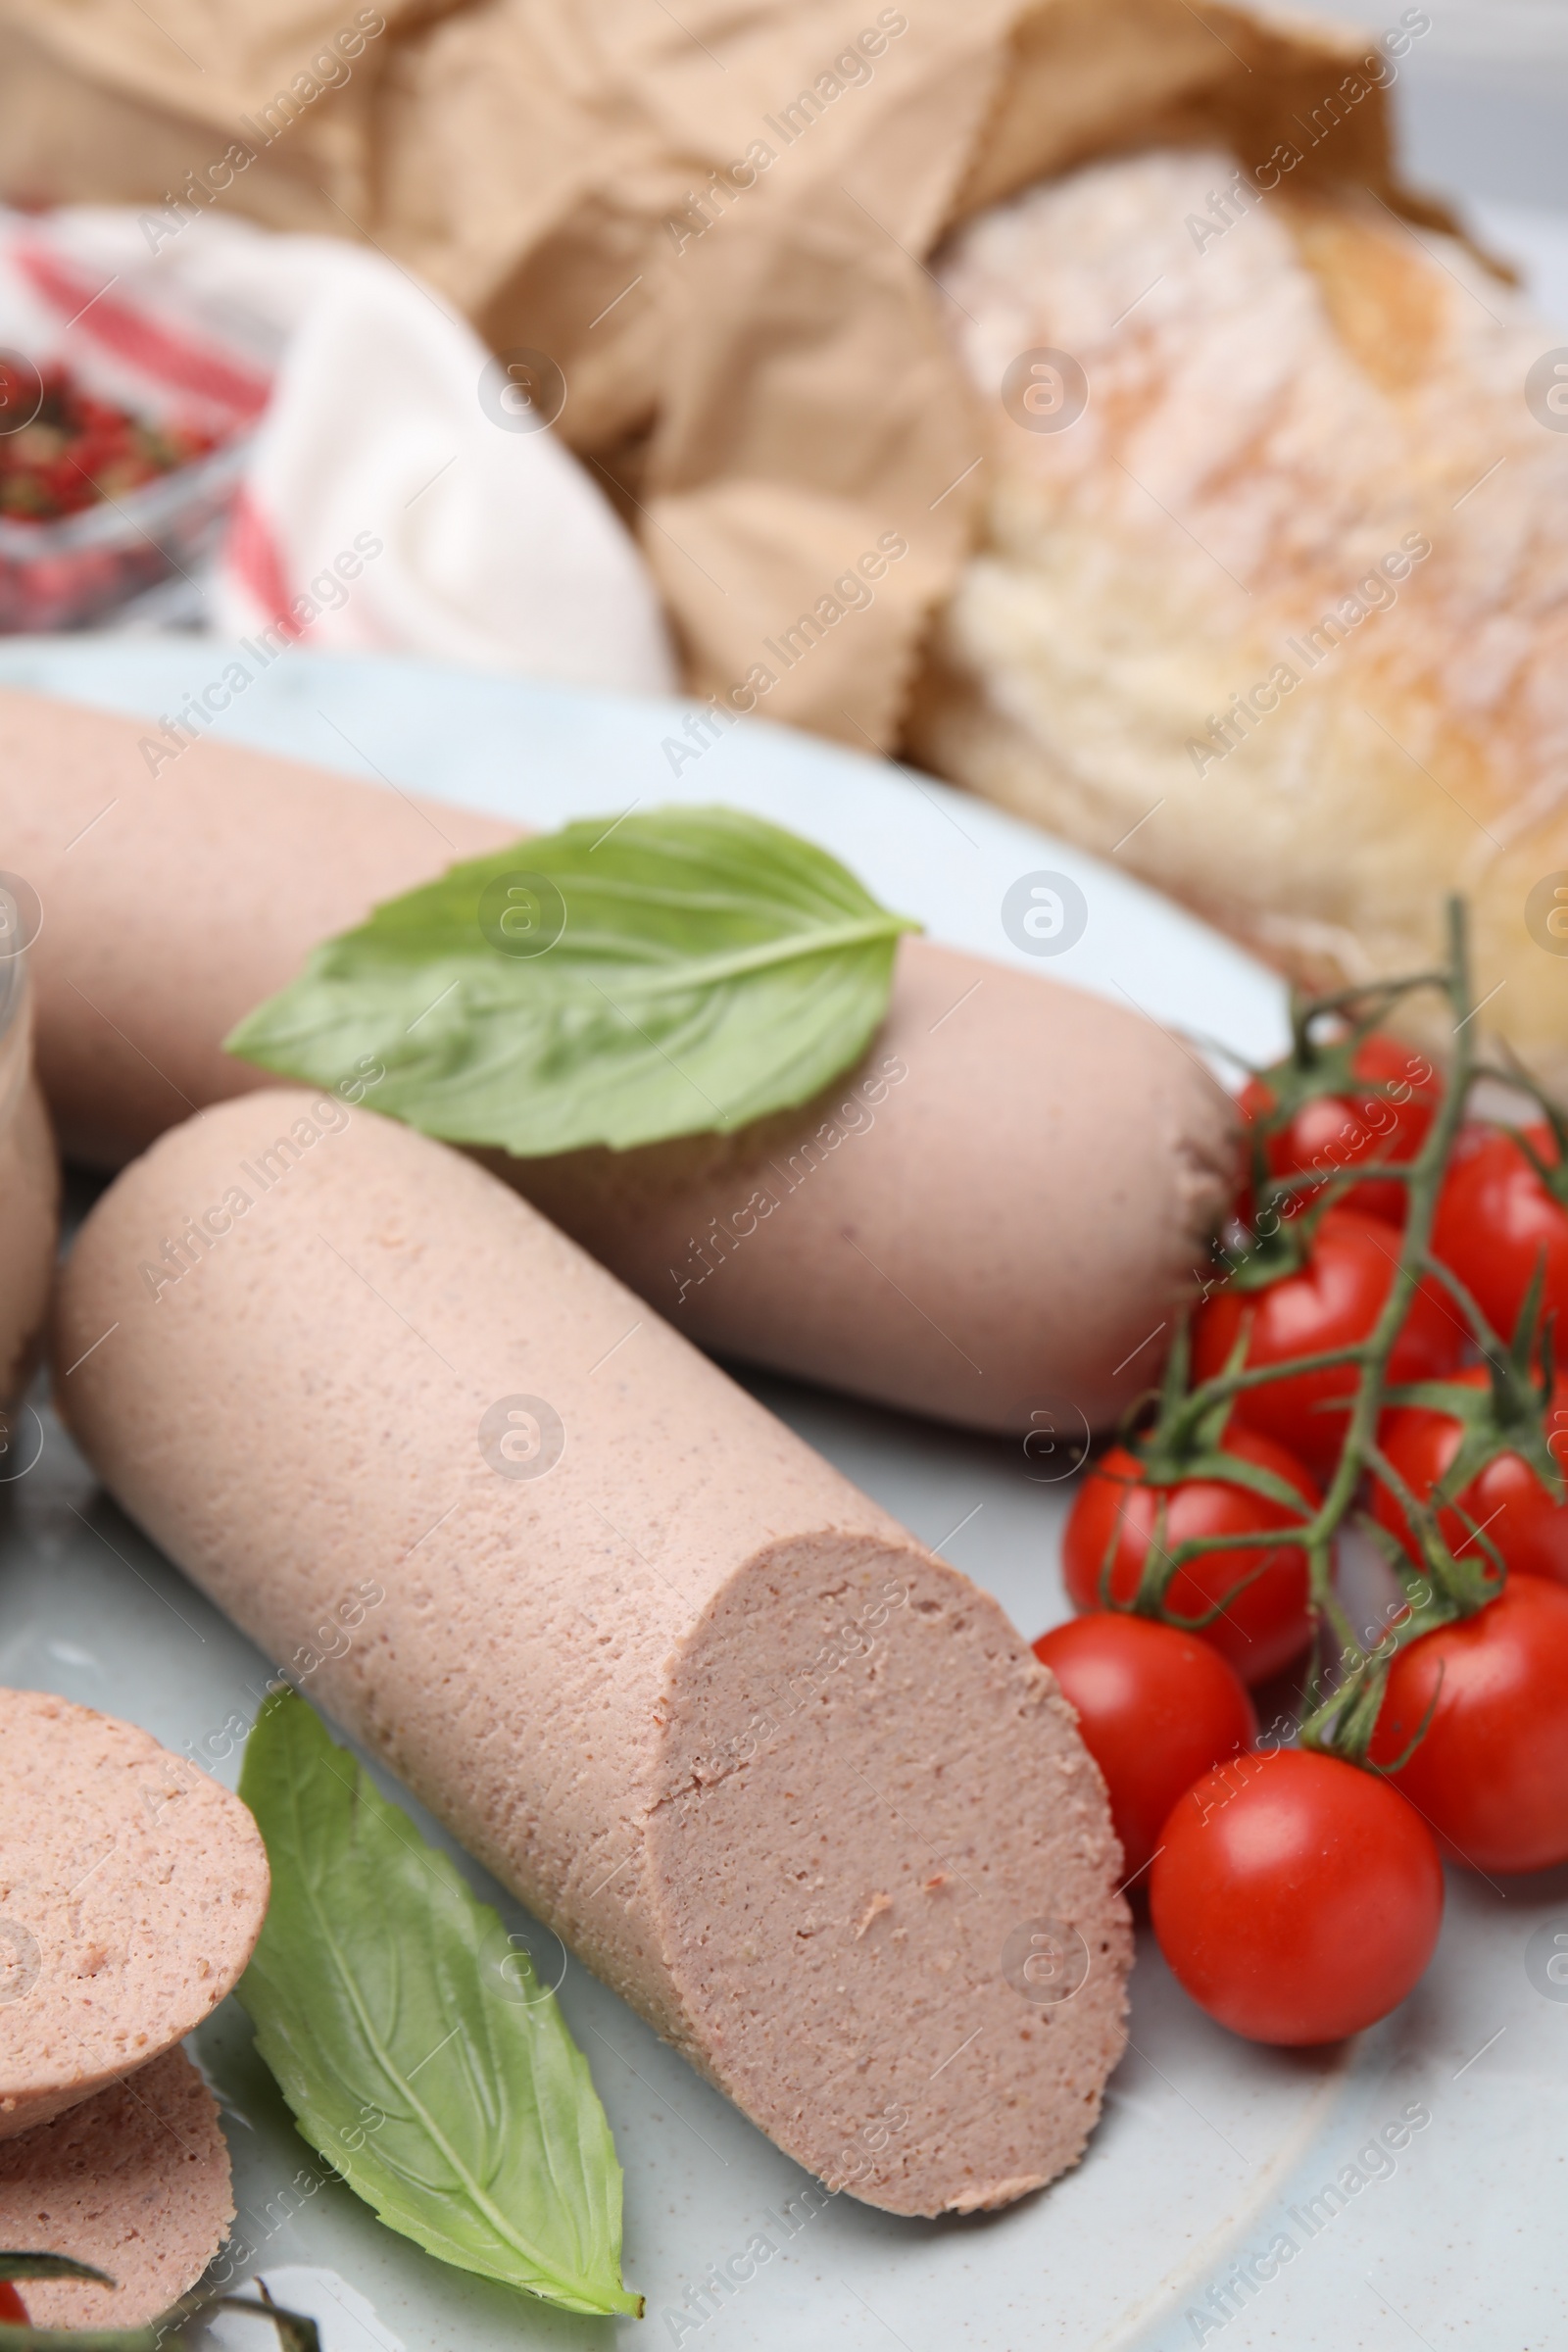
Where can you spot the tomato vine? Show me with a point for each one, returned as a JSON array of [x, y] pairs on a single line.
[[1186, 1439]]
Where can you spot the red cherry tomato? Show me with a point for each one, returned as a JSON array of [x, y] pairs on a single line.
[[1492, 1773], [1297, 1898], [1333, 1301], [1265, 1622], [13, 2310], [1339, 1131], [1156, 1708], [1494, 1218], [1528, 1524]]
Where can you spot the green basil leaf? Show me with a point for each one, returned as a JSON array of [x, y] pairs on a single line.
[[684, 970], [466, 2119]]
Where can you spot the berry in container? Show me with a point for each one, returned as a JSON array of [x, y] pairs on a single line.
[[124, 427]]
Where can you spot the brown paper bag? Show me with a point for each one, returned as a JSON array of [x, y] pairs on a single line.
[[713, 223]]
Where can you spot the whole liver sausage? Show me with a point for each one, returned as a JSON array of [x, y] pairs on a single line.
[[173, 903], [134, 2182], [795, 1787], [987, 1222], [133, 1890]]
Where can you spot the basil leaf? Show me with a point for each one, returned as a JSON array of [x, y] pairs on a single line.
[[685, 970], [468, 2120]]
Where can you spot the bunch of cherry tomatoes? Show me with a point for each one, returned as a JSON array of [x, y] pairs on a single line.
[[1295, 1883]]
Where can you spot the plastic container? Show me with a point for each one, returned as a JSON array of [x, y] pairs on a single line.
[[69, 573], [89, 323], [30, 1173]]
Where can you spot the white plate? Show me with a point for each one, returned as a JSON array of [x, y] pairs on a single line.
[[1210, 2150]]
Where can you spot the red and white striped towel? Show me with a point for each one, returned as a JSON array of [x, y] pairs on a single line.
[[387, 502]]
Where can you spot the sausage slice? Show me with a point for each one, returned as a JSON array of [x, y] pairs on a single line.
[[134, 2182], [132, 1888]]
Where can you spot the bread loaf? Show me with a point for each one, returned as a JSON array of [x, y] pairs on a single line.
[[1272, 597]]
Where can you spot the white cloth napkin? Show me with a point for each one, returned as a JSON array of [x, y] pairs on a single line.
[[400, 493]]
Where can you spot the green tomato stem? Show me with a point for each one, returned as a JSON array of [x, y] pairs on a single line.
[[1345, 1691]]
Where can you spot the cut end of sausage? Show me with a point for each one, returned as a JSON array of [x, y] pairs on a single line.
[[133, 1890], [134, 2182], [886, 1876]]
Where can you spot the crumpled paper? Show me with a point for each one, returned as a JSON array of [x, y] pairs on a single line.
[[697, 237]]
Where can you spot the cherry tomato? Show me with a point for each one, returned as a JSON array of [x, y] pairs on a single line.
[[1156, 1708], [1333, 1301], [1297, 1898], [1494, 1218], [1339, 1131], [1528, 1524], [1492, 1772], [1265, 1622], [13, 2310]]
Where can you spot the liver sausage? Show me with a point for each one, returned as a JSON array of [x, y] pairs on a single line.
[[988, 1221], [133, 1890], [793, 1786], [134, 2182]]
